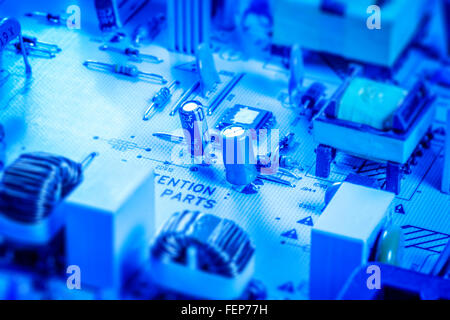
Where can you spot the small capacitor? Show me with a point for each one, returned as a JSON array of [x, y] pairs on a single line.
[[195, 127], [238, 156]]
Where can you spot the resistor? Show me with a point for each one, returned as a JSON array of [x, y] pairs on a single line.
[[160, 99], [133, 53], [51, 18], [126, 70]]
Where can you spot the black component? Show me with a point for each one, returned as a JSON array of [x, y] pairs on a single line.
[[419, 98], [396, 284], [334, 7], [286, 141], [35, 183], [247, 117], [313, 94]]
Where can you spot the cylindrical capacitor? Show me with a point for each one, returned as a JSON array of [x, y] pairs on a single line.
[[195, 128], [238, 156]]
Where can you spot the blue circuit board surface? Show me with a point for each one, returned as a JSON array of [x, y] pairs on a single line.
[[69, 110]]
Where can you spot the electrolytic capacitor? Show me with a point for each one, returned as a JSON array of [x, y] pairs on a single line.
[[195, 128], [160, 99], [238, 156]]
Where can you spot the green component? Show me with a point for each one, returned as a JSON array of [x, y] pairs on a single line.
[[371, 103], [390, 246]]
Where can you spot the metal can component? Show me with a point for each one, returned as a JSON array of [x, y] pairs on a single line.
[[238, 156], [195, 127], [390, 246]]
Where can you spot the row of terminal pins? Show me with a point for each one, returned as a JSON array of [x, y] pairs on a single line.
[[126, 70], [134, 54], [160, 99]]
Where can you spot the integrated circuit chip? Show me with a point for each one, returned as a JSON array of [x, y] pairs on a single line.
[[247, 117]]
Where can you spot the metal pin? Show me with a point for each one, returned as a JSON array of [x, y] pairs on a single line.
[[126, 70], [183, 98], [160, 99], [88, 160], [276, 180], [224, 93], [148, 31], [297, 74], [52, 18], [37, 48], [288, 173], [132, 53], [33, 42], [169, 137]]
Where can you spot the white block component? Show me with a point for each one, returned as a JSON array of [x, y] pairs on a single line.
[[350, 34], [181, 279], [343, 237], [110, 222]]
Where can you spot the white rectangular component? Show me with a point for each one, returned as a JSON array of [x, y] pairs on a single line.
[[351, 31], [110, 222], [343, 237]]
